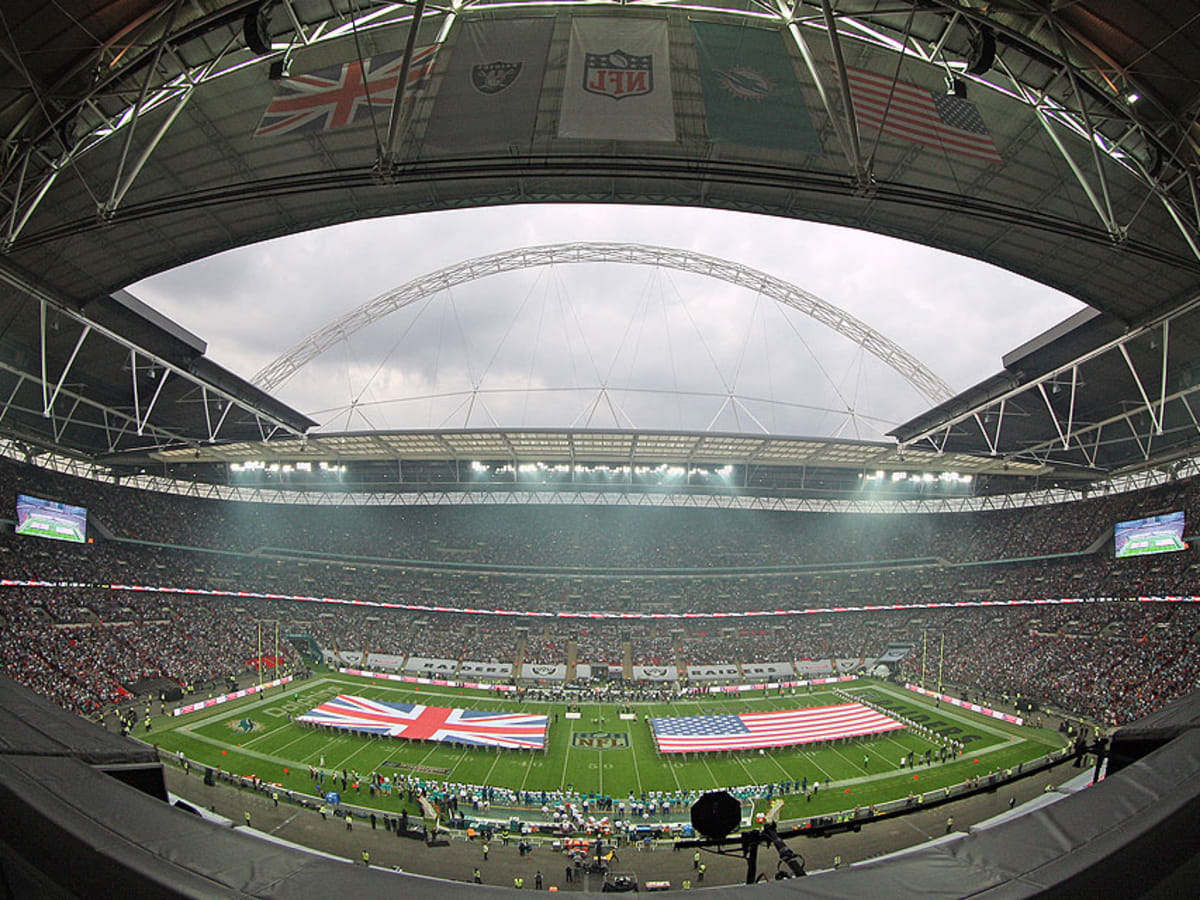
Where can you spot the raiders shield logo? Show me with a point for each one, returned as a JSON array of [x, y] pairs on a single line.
[[618, 74], [494, 77], [600, 740]]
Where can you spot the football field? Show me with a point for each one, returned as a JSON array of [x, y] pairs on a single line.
[[599, 753]]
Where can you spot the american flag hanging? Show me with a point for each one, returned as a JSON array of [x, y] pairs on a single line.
[[778, 728], [932, 118], [343, 95], [416, 722]]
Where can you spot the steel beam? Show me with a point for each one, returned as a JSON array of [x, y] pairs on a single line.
[[151, 72], [391, 144]]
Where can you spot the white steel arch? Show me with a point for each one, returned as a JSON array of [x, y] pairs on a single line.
[[896, 357]]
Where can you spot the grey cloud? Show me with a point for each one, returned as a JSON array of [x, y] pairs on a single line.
[[251, 304]]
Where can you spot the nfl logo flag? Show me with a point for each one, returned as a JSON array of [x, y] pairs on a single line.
[[618, 81], [343, 95], [932, 118], [618, 74]]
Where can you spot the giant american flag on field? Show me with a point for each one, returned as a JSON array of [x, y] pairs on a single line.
[[416, 722], [777, 728], [342, 95]]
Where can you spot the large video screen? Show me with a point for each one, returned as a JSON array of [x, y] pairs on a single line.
[[45, 518], [1157, 534]]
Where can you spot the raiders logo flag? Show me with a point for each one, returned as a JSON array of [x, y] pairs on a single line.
[[488, 98]]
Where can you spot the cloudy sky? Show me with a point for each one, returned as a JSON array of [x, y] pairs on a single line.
[[670, 349]]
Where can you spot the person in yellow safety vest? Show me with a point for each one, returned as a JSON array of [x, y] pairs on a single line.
[[837, 862], [366, 856], [949, 823], [696, 860], [700, 872], [247, 815], [687, 884], [518, 882]]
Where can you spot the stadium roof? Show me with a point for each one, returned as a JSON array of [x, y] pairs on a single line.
[[618, 447], [128, 149]]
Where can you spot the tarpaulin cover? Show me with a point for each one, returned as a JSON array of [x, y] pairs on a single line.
[[30, 724]]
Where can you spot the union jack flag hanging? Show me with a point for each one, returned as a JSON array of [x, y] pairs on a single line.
[[431, 723], [342, 95]]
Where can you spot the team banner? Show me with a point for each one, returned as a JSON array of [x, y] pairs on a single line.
[[427, 666], [416, 722], [655, 673], [778, 728], [540, 672], [768, 670], [618, 82], [963, 704], [225, 698], [488, 97], [385, 660], [806, 667], [751, 94], [435, 682], [770, 685], [713, 673], [343, 95], [486, 669]]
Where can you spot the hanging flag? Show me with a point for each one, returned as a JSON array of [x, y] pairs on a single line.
[[751, 94], [343, 95], [931, 118], [778, 728], [488, 97], [618, 82]]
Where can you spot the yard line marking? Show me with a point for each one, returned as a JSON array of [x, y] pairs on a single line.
[[284, 822]]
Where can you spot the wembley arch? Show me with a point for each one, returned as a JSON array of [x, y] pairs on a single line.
[[907, 366]]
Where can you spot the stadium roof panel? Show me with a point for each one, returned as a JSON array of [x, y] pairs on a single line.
[[1089, 186], [593, 446]]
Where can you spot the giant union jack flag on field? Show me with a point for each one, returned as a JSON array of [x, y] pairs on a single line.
[[342, 95], [778, 728], [430, 723]]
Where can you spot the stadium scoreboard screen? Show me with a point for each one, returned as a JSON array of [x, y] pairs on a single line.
[[45, 518], [1156, 534]]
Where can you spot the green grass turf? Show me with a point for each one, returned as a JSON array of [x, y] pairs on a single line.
[[211, 737]]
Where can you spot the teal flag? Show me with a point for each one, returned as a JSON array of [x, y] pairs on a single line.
[[751, 93]]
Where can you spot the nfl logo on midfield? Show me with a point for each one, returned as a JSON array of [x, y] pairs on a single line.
[[618, 74], [600, 740]]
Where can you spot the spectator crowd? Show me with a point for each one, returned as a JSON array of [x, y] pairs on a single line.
[[84, 642]]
